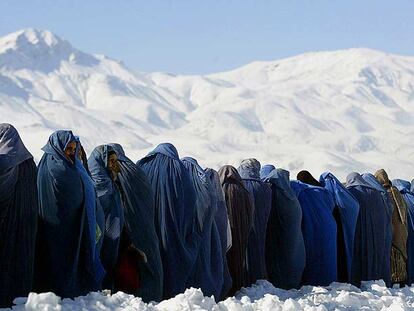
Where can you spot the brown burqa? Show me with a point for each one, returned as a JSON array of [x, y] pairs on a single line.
[[240, 211], [399, 230]]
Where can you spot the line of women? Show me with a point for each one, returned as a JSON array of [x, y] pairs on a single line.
[[156, 227]]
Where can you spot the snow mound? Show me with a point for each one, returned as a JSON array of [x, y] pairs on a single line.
[[373, 295], [342, 111]]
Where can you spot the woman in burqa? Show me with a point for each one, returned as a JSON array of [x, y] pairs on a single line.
[[285, 247], [18, 216], [399, 230], [138, 204], [208, 270], [404, 187], [99, 213], [346, 216], [240, 209], [319, 231], [175, 216], [372, 241], [223, 226], [67, 262], [119, 254], [261, 192]]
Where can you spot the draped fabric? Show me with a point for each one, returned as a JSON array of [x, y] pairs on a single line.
[[223, 226], [372, 241], [175, 216], [208, 269], [404, 187], [348, 210], [399, 229], [319, 233], [139, 209], [240, 210], [285, 247], [18, 216], [261, 192], [66, 261], [265, 170], [307, 178], [110, 201]]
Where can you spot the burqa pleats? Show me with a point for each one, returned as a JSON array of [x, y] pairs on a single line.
[[319, 233], [208, 269], [66, 262], [110, 200], [399, 230], [346, 215], [372, 240], [285, 247], [240, 210], [249, 170], [175, 216], [138, 205], [223, 226], [18, 216]]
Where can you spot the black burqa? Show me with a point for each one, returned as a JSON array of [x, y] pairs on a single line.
[[18, 216], [240, 210], [261, 192]]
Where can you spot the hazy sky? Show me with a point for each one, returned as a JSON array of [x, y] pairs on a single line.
[[207, 36]]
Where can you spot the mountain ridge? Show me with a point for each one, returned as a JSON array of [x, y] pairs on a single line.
[[340, 110]]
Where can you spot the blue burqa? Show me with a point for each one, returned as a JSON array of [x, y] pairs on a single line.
[[265, 170], [404, 187], [110, 201], [348, 208], [175, 216], [261, 192], [319, 233], [285, 247], [208, 269], [223, 226], [18, 216], [372, 241], [67, 262], [138, 204]]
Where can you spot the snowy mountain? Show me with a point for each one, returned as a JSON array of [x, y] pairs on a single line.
[[343, 111]]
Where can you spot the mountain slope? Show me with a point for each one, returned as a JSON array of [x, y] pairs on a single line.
[[340, 111]]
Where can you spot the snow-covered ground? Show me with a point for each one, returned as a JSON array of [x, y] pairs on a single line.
[[342, 111], [261, 296]]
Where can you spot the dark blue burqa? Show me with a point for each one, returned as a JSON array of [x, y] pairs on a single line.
[[223, 226], [208, 269], [261, 192], [373, 182], [138, 204], [110, 200], [319, 233], [18, 216], [348, 208], [404, 187], [175, 216], [66, 250], [285, 247], [372, 241]]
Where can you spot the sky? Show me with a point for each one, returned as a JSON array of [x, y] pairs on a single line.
[[200, 37]]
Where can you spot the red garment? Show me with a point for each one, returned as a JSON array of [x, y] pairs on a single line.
[[127, 271]]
